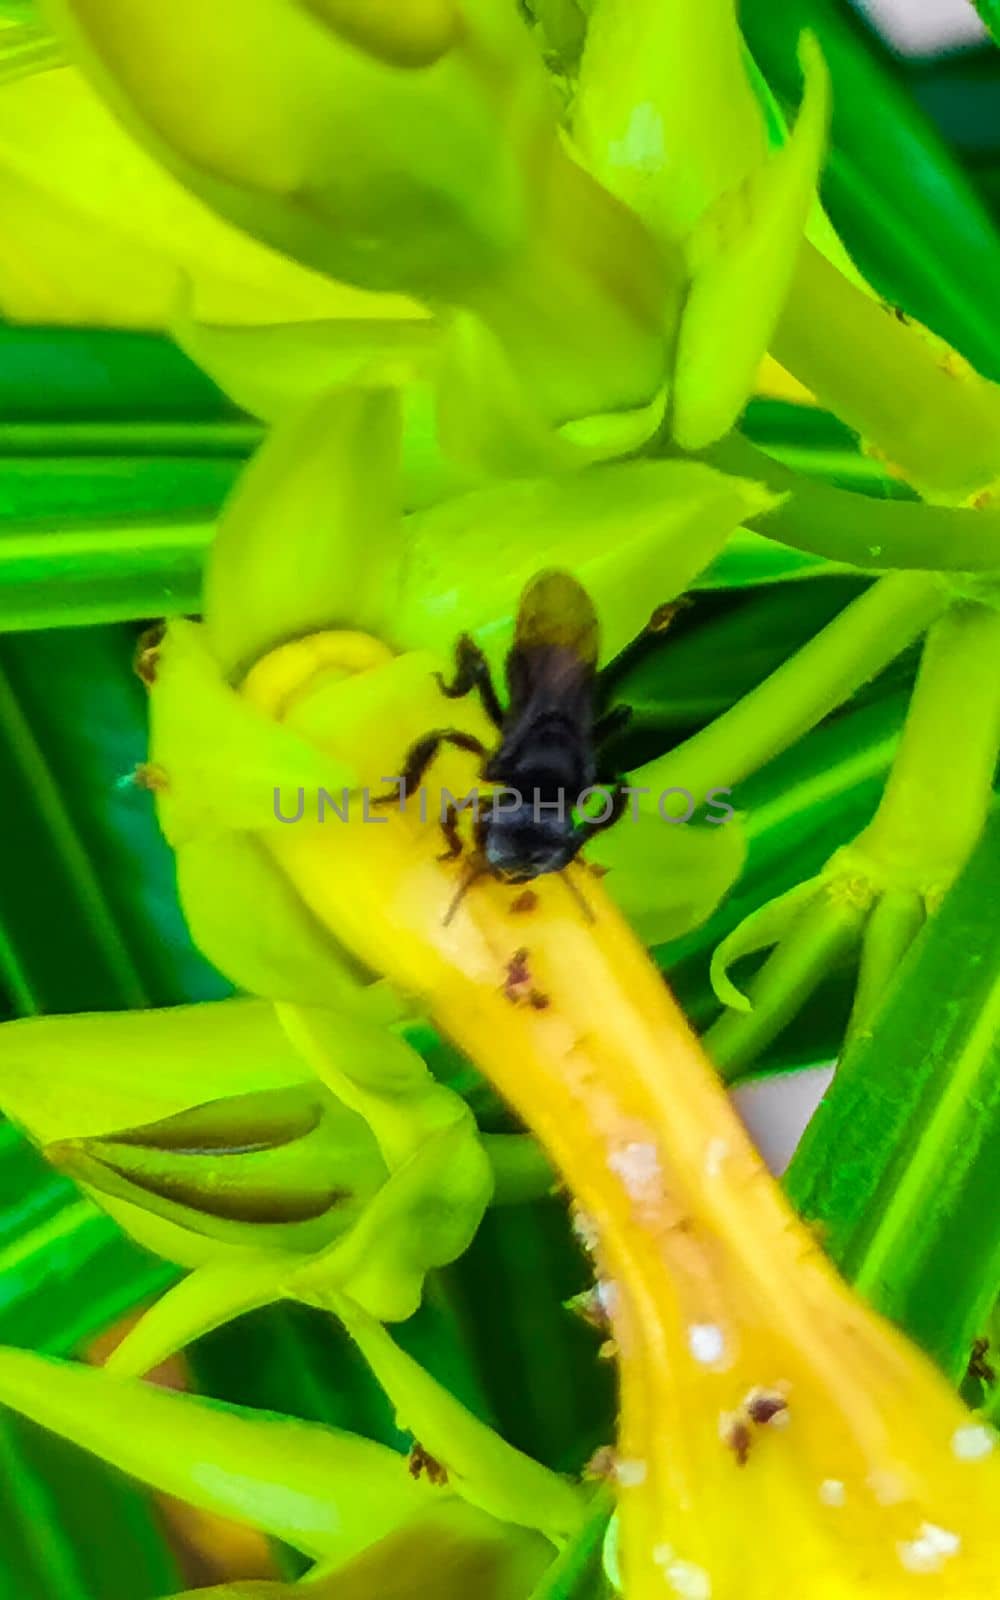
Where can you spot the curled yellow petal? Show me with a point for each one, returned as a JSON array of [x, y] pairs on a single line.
[[756, 1391]]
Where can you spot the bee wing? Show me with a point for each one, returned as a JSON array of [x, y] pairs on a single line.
[[556, 610]]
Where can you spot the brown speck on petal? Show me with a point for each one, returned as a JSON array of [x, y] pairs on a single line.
[[526, 901], [763, 1405], [517, 982], [147, 653], [420, 1461], [736, 1436], [149, 775]]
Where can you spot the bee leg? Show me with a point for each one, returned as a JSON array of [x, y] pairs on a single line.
[[612, 722], [449, 827], [420, 757], [472, 672]]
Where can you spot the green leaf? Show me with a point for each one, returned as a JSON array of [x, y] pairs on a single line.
[[716, 650], [989, 10], [899, 1165], [104, 378], [636, 533], [668, 877], [324, 1492], [742, 255], [86, 710], [53, 1503], [577, 1573], [906, 210], [108, 572]]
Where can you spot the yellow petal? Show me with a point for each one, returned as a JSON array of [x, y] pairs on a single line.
[[716, 1290]]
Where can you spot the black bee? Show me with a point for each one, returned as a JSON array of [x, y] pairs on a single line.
[[551, 738]]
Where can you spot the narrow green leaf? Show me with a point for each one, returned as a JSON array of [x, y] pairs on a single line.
[[577, 1573], [926, 239], [899, 1166], [104, 376], [73, 910], [324, 1492], [989, 10], [53, 1513]]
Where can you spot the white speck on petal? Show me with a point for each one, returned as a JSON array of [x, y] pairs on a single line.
[[689, 1581], [929, 1550], [715, 1155], [706, 1343], [643, 146], [973, 1442], [832, 1492], [607, 1296], [630, 1474], [638, 1166]]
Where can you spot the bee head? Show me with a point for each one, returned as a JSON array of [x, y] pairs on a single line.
[[523, 843]]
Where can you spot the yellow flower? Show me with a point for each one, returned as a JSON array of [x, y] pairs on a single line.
[[870, 1475], [775, 1434]]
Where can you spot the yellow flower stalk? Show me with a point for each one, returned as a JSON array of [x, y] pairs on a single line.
[[756, 1392]]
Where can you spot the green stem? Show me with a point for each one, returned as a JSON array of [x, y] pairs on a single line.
[[936, 420], [483, 1467], [892, 927], [939, 790], [819, 938], [850, 650], [878, 535]]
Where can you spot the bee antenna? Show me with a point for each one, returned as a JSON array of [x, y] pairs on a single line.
[[577, 896], [475, 869]]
